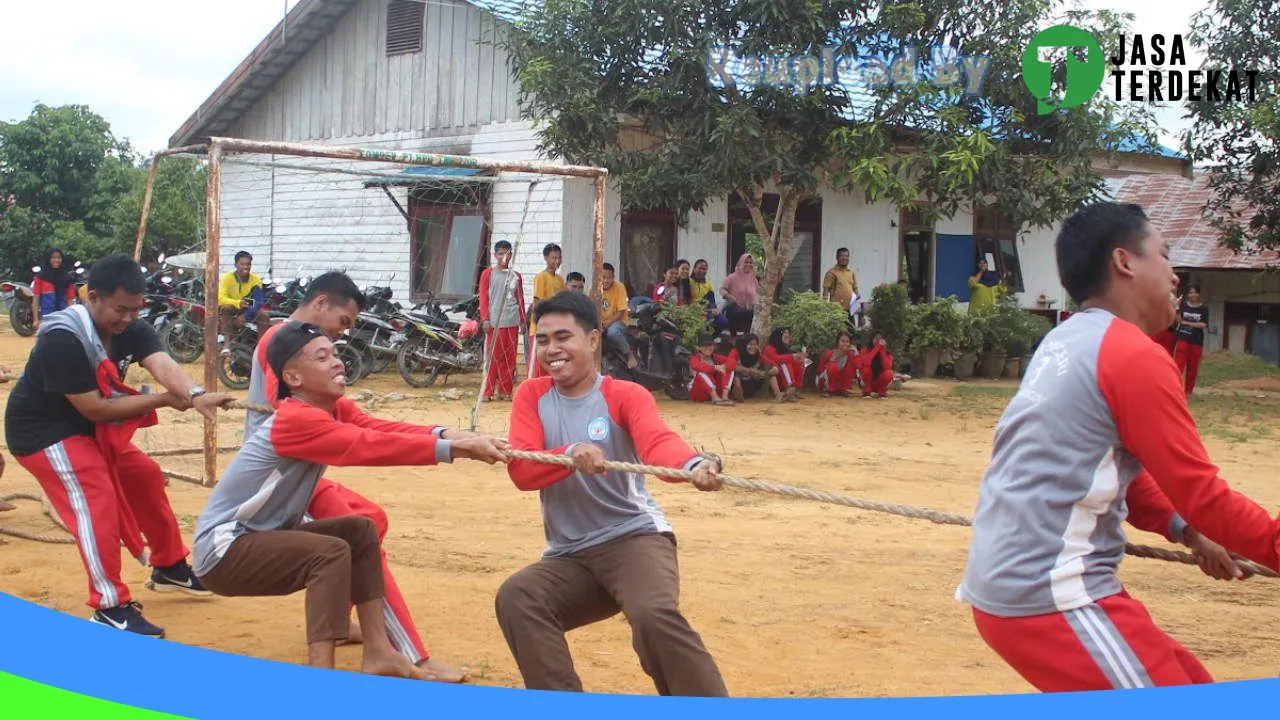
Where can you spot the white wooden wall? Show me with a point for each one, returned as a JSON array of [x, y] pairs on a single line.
[[347, 87]]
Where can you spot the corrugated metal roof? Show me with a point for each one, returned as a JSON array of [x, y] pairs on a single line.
[[1176, 206]]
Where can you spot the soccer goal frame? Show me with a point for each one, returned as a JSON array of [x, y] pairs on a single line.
[[213, 152]]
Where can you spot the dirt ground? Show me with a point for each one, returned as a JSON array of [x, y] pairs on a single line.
[[793, 598]]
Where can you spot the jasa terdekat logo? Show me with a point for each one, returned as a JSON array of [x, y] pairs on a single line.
[[1141, 70]]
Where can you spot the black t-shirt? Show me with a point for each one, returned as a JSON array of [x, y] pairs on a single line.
[[1187, 313], [39, 414]]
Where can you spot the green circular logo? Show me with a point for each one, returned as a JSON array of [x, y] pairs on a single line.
[[1083, 77]]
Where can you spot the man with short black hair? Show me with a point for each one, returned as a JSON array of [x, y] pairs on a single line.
[[254, 539], [241, 298], [502, 314], [70, 422], [1099, 433], [332, 303], [610, 548], [575, 282]]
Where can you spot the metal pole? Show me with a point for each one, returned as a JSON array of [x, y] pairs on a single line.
[[235, 145], [146, 196], [213, 225]]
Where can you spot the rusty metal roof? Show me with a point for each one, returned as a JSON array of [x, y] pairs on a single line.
[[1176, 205]]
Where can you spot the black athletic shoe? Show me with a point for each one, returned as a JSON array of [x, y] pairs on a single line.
[[176, 578], [127, 617]]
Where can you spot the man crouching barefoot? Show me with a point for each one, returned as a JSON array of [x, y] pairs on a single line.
[[255, 538]]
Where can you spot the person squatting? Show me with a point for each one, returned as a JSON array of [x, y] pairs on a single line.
[[1047, 537]]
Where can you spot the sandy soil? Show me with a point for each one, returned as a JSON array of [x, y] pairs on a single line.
[[793, 598]]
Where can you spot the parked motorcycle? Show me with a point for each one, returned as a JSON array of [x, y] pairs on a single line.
[[21, 317], [663, 363], [431, 349]]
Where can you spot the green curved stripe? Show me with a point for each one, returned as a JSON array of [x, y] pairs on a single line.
[[21, 699]]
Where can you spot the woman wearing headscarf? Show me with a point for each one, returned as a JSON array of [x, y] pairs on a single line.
[[52, 289], [752, 370], [740, 290], [984, 288]]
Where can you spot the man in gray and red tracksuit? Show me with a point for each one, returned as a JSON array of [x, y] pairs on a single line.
[[254, 537], [609, 546], [1099, 433]]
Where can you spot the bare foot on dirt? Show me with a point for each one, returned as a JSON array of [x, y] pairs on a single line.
[[355, 635], [392, 666], [6, 506], [437, 671]]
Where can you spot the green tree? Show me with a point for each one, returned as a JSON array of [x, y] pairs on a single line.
[[66, 181], [633, 86], [1238, 141]]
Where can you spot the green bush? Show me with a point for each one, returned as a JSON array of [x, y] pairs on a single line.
[[971, 334], [888, 313], [692, 321], [814, 322], [935, 326]]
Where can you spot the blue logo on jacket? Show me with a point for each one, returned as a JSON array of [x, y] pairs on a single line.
[[598, 429]]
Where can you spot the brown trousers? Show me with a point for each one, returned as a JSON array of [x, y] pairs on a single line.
[[637, 575], [336, 560]]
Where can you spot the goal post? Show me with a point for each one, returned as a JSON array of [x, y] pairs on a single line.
[[360, 177]]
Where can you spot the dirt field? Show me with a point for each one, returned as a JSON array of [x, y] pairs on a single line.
[[793, 598]]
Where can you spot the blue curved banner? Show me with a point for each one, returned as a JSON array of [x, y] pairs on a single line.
[[53, 650]]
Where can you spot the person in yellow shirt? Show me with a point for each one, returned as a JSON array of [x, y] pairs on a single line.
[[241, 298], [840, 284], [985, 288], [545, 286], [614, 313], [699, 287]]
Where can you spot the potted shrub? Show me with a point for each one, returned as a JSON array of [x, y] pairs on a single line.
[[814, 322], [1027, 332], [888, 313], [934, 332], [998, 328], [971, 337]]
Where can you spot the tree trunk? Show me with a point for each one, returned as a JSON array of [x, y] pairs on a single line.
[[779, 244]]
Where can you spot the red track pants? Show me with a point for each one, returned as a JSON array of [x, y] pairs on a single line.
[[834, 380], [1110, 644], [74, 476], [878, 384], [501, 378], [1187, 355], [705, 383], [332, 500]]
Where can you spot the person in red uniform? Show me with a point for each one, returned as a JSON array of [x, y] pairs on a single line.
[[332, 303], [1193, 318], [502, 316], [751, 372], [838, 367], [713, 374], [877, 369], [70, 422], [790, 364], [609, 546], [1098, 434]]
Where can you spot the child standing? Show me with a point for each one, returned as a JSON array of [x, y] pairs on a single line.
[[838, 367], [712, 374], [545, 285], [1193, 318], [502, 314]]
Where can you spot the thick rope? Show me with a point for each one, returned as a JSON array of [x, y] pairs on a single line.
[[37, 537], [909, 511]]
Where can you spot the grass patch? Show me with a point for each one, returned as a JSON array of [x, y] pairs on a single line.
[[1221, 367], [984, 391]]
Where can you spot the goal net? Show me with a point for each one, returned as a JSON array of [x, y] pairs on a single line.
[[415, 232]]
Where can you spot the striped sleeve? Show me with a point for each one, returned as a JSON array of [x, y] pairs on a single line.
[[1141, 386]]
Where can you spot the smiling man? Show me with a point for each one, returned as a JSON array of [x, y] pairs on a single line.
[[254, 537], [610, 548], [70, 422], [332, 303], [1099, 433]]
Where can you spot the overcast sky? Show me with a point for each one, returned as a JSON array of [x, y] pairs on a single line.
[[146, 65]]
